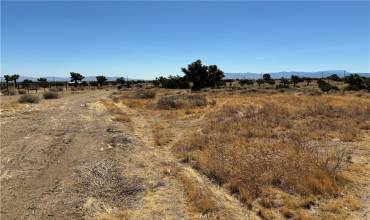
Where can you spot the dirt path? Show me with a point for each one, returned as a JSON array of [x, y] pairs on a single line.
[[227, 207], [66, 159], [361, 158]]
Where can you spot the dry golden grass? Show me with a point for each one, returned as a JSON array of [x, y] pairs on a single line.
[[284, 150], [117, 112], [198, 195], [286, 141], [161, 135], [182, 101]]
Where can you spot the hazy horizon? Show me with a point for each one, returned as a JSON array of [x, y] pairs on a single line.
[[148, 39]]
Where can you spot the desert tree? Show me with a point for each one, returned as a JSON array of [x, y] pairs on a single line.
[[356, 82], [15, 77], [266, 77], [308, 80], [284, 82], [259, 82], [121, 80], [202, 76], [43, 82], [7, 78], [76, 77], [215, 76], [26, 84], [101, 80], [334, 77], [295, 79]]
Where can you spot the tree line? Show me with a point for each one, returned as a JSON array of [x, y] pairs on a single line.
[[198, 76]]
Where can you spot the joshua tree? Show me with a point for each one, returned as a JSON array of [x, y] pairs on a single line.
[[75, 77], [43, 82], [266, 77], [202, 76], [259, 82], [284, 81], [15, 77], [295, 79], [7, 79], [26, 83], [121, 80], [101, 80]]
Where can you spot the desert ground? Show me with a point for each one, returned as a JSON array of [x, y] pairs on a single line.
[[173, 154]]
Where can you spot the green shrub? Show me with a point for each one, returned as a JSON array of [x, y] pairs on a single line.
[[27, 98], [246, 82], [356, 82], [50, 95], [325, 87]]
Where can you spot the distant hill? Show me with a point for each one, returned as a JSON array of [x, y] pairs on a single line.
[[278, 75]]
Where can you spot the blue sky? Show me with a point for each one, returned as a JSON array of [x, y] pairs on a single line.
[[148, 39]]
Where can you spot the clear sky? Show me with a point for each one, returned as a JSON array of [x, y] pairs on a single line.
[[147, 39]]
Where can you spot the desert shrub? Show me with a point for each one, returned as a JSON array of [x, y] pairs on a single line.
[[22, 91], [145, 94], [50, 95], [172, 82], [282, 86], [56, 89], [246, 82], [27, 98], [251, 147], [356, 82], [325, 87], [10, 92], [334, 77], [182, 101]]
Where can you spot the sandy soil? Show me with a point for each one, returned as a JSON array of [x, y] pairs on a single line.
[[67, 159]]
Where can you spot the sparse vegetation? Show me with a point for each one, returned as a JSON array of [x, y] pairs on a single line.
[[356, 82], [27, 98], [325, 87], [145, 94], [249, 148], [181, 101], [50, 95]]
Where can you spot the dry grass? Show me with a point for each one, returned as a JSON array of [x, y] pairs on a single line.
[[161, 135], [199, 196], [50, 95], [284, 141], [181, 101], [117, 112], [27, 98], [145, 94]]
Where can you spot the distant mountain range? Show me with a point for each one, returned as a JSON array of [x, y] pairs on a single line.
[[278, 75]]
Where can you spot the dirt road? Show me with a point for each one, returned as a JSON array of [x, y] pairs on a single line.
[[66, 159]]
